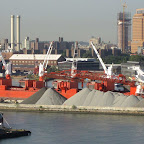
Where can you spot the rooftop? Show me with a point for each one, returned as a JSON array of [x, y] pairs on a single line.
[[81, 59], [31, 56], [140, 11]]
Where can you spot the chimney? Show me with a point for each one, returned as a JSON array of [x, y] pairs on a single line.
[[18, 33], [12, 32]]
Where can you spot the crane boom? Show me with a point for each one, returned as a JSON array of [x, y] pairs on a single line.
[[100, 59], [47, 55]]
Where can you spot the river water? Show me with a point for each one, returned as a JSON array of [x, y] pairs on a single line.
[[60, 128]]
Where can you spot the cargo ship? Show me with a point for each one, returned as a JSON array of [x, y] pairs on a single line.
[[24, 90], [68, 86]]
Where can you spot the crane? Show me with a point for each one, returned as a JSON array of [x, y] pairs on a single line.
[[123, 39], [74, 63], [43, 66], [6, 66], [108, 71], [140, 78]]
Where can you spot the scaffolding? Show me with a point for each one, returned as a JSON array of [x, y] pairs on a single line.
[[124, 30]]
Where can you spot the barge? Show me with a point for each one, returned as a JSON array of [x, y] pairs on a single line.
[[8, 132]]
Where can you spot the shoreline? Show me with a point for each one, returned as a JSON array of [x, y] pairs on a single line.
[[72, 109]]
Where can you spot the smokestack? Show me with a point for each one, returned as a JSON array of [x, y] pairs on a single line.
[[18, 33], [12, 32]]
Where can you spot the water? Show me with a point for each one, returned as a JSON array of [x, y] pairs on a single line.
[[59, 128]]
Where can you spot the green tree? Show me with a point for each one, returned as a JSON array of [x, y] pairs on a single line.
[[116, 59], [88, 54], [137, 58]]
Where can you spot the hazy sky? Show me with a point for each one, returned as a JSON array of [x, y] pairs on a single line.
[[71, 19]]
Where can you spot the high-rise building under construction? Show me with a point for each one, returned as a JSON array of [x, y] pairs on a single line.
[[138, 31], [124, 30]]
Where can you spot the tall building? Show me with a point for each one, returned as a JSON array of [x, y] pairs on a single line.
[[26, 43], [124, 30], [138, 30]]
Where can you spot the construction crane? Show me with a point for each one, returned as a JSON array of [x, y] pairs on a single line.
[[123, 34], [42, 67], [6, 66]]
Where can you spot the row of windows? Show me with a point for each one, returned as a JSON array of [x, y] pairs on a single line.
[[16, 62]]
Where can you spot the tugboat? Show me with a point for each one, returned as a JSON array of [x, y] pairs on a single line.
[[8, 132]]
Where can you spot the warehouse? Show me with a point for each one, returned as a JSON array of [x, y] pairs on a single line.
[[27, 62]]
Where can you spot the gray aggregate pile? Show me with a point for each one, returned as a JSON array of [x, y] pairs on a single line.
[[79, 98], [89, 98], [51, 97], [35, 97], [86, 97], [130, 101], [107, 99], [98, 96], [119, 101], [140, 103]]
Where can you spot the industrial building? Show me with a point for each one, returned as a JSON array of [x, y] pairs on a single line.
[[82, 64], [138, 31], [124, 30], [27, 62]]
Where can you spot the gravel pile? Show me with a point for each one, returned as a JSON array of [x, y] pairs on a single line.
[[51, 97], [130, 101], [140, 103], [86, 97], [79, 98], [35, 97]]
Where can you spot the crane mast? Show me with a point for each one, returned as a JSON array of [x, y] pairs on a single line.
[[43, 66], [74, 63], [7, 66]]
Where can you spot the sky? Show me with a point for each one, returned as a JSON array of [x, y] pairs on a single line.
[[74, 20]]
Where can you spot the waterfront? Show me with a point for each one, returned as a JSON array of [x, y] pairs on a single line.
[[63, 128]]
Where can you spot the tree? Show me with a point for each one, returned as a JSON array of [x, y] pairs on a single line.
[[116, 59], [137, 58], [87, 54]]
